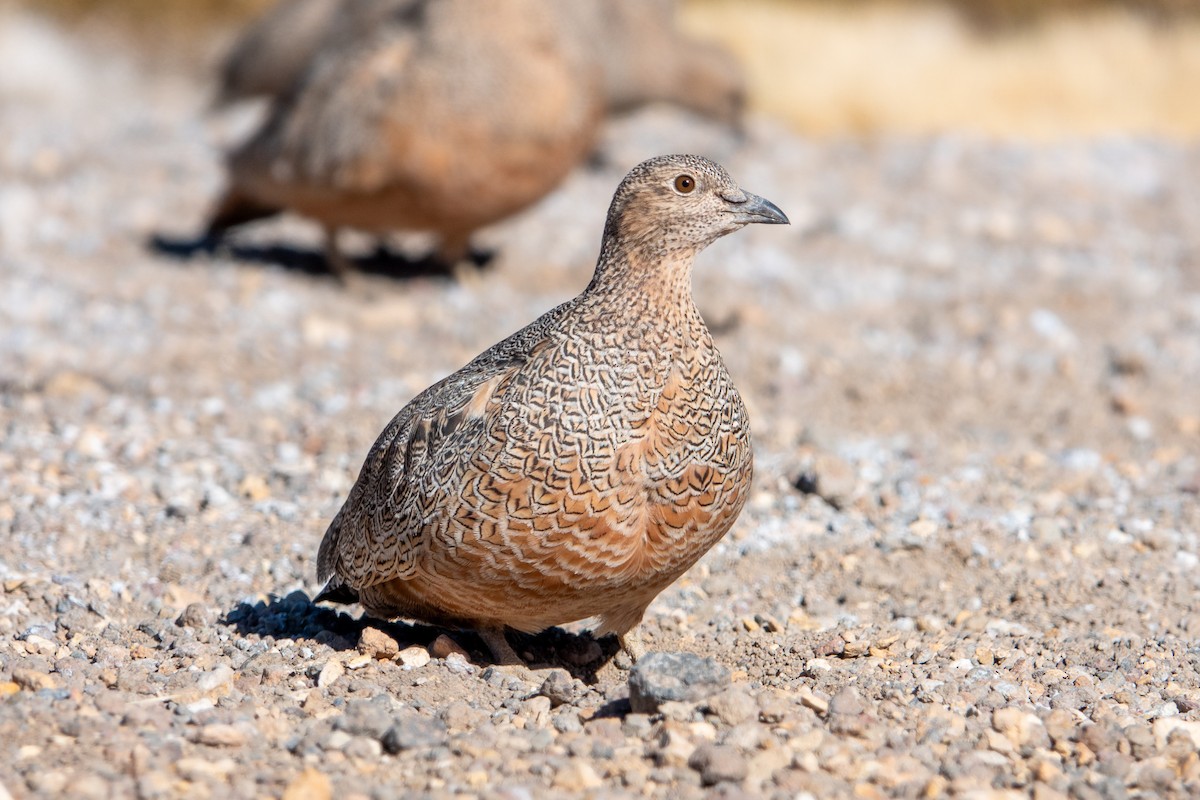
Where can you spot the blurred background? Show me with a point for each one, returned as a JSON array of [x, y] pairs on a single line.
[[1029, 68]]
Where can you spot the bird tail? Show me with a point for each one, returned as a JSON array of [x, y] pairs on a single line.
[[336, 591]]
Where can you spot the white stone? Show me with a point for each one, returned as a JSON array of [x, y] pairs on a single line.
[[329, 674], [413, 657]]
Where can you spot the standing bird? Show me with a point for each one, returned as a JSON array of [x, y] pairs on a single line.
[[445, 117], [578, 467]]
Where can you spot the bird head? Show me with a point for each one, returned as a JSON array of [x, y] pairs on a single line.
[[673, 206]]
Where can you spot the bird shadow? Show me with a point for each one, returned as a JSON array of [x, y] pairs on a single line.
[[297, 618], [382, 261]]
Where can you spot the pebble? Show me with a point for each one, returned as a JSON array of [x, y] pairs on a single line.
[[216, 678], [196, 769], [577, 776], [537, 709], [40, 645], [413, 657], [363, 748], [559, 688], [812, 700], [672, 745], [370, 718], [459, 716], [411, 731], [1163, 727], [194, 615], [718, 764], [815, 666], [50, 783], [1021, 728], [683, 677], [89, 786], [309, 785], [443, 647], [733, 706], [847, 713], [377, 644], [221, 735], [773, 707], [336, 741], [459, 664], [32, 680], [330, 673]]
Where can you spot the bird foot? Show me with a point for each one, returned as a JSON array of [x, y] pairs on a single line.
[[341, 267], [632, 649], [505, 658], [632, 645]]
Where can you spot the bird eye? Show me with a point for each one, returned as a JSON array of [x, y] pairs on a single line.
[[684, 184]]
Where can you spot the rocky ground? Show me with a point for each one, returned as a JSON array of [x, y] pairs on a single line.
[[969, 567]]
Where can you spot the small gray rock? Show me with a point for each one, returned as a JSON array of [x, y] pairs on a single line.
[[366, 718], [846, 703], [847, 714], [559, 688], [718, 764], [459, 716], [412, 731], [684, 677], [567, 722], [733, 706], [364, 748], [194, 616]]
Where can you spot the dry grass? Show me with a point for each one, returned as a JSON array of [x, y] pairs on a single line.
[[178, 32], [829, 68], [999, 15], [164, 14]]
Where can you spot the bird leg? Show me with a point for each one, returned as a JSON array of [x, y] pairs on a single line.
[[453, 249], [341, 266], [502, 652], [632, 645], [455, 254], [632, 648]]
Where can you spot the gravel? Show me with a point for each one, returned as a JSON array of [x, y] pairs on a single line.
[[968, 567]]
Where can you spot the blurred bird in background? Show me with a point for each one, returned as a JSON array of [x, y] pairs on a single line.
[[644, 56], [444, 117], [272, 52]]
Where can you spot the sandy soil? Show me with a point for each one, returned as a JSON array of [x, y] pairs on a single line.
[[969, 567]]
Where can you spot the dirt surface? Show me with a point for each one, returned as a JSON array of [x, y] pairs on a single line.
[[969, 567]]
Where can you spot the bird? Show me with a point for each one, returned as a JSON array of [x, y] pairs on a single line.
[[643, 55], [444, 117], [577, 468], [645, 58], [272, 52]]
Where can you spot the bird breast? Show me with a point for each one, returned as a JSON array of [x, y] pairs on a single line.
[[613, 466]]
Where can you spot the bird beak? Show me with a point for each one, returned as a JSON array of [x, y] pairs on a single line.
[[757, 209]]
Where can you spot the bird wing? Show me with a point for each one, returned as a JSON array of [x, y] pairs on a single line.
[[326, 131], [379, 533], [271, 53]]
